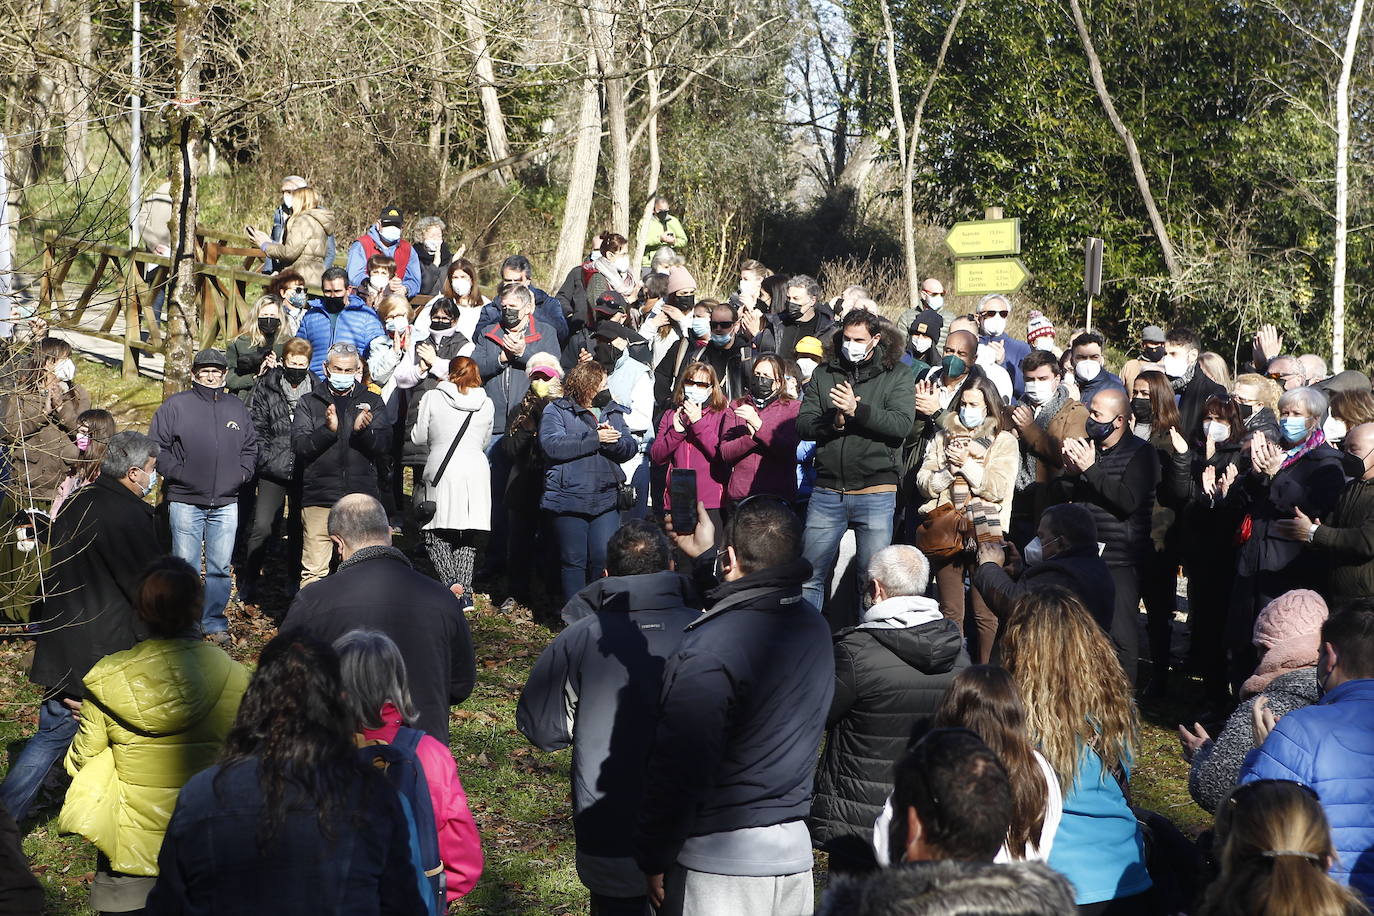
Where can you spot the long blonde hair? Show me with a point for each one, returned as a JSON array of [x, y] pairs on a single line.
[[1275, 847], [254, 333], [1071, 684]]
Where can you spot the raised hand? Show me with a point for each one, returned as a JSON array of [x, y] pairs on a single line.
[[331, 418]]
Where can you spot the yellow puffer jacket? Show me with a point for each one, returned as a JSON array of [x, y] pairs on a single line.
[[155, 715]]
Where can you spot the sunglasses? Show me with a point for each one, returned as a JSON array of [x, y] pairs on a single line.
[[722, 325], [696, 384], [1004, 313]]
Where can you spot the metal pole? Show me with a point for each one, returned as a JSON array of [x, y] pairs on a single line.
[[1088, 325], [136, 127]]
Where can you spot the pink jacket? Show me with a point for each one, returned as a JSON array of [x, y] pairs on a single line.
[[767, 461], [459, 845], [696, 448]]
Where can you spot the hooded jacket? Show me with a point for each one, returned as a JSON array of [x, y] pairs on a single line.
[[463, 495], [595, 687], [155, 715], [356, 324], [741, 714], [334, 464], [866, 451], [891, 672], [209, 446], [304, 244], [1081, 571], [408, 272], [582, 473], [951, 887]]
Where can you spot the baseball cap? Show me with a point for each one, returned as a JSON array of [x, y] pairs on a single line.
[[810, 346], [391, 216]]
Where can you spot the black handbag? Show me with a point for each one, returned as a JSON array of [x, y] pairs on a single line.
[[427, 509]]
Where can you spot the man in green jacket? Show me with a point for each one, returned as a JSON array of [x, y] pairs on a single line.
[[1346, 537], [662, 230], [858, 408]]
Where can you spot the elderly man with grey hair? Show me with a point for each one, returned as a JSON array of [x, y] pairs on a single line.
[[102, 541], [993, 311], [891, 671], [375, 588], [435, 255]]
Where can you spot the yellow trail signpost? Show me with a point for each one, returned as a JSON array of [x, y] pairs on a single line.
[[983, 237], [980, 248], [989, 275]]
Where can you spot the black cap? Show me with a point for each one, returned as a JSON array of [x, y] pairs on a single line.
[[210, 357], [391, 216], [929, 324], [610, 303]]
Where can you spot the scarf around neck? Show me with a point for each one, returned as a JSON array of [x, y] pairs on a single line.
[[1025, 475]]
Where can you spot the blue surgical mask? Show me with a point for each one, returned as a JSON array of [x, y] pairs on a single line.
[[152, 482], [701, 326], [1294, 430], [342, 381], [972, 417], [722, 340]]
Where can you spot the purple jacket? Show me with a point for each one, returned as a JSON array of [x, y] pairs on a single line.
[[765, 462], [696, 449]]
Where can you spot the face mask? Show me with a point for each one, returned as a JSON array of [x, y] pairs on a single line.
[[1140, 409], [972, 417], [664, 215], [268, 326], [1152, 354], [622, 263], [294, 376], [954, 366], [1097, 430], [1216, 431], [398, 325], [379, 281], [462, 286], [807, 365], [697, 395], [1174, 366], [510, 317], [994, 325], [297, 298], [440, 325], [762, 389], [1034, 552], [794, 310], [935, 302], [286, 202], [65, 370], [152, 482], [333, 303], [432, 245], [701, 326], [1333, 429], [603, 397], [1245, 410], [1087, 369], [83, 442], [341, 381], [390, 234], [685, 302], [1294, 430], [749, 288], [1045, 343], [540, 387], [920, 343], [1040, 390], [722, 340], [855, 352]]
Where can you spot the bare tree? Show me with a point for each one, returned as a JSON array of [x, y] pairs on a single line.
[[1352, 38]]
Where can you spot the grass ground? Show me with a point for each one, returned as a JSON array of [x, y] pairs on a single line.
[[519, 796]]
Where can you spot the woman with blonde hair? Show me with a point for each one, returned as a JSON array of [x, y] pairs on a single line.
[[1214, 367], [305, 238], [1257, 398], [1083, 720], [258, 348], [1275, 847]]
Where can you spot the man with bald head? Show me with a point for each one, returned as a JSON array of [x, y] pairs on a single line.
[[375, 588], [932, 295], [1114, 474], [1345, 537]]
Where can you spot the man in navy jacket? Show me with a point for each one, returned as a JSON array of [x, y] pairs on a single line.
[[993, 312], [516, 270], [209, 451], [741, 715]]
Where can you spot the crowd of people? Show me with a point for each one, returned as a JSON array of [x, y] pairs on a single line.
[[828, 580]]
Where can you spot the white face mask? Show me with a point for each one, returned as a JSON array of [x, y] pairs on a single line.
[[935, 302], [390, 234], [920, 343], [65, 370], [1087, 369], [396, 325], [379, 281], [1216, 431], [749, 288], [1332, 428], [1044, 343], [462, 285], [696, 395], [622, 263], [1174, 366], [1038, 391], [994, 325], [286, 202], [807, 365], [854, 351], [433, 245], [1034, 552]]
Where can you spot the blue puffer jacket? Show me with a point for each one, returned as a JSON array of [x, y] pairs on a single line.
[[581, 472], [1330, 747], [357, 324]]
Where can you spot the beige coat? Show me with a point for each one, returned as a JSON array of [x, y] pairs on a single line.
[[990, 473], [303, 245], [40, 437]]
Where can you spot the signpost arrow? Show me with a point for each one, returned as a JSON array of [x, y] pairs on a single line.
[[992, 275], [981, 237]]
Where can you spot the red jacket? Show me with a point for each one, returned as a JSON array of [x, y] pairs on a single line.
[[763, 463], [459, 845]]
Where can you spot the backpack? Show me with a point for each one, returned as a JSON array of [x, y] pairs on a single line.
[[401, 767]]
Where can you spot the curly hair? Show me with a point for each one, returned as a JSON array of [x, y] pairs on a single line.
[[1072, 686], [583, 382]]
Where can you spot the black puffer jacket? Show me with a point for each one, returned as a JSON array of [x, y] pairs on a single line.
[[334, 464], [1119, 490], [272, 414], [1025, 888], [890, 675]]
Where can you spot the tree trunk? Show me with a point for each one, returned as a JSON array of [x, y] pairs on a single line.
[[1352, 38], [78, 94], [439, 85], [498, 146], [899, 121], [572, 237], [187, 125], [599, 23], [655, 165], [1142, 180]]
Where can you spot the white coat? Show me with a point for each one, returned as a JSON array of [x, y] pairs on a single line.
[[463, 496]]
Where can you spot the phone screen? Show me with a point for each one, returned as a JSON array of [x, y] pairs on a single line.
[[682, 497]]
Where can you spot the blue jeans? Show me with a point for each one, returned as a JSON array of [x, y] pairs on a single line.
[[195, 530], [582, 541], [828, 516], [56, 728]]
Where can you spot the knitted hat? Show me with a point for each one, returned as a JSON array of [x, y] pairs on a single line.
[[809, 346], [1037, 326], [1299, 613], [679, 279], [928, 324]]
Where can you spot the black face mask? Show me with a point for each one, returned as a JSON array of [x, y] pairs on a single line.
[[606, 354], [1245, 410], [333, 303], [510, 318], [762, 389], [603, 397], [294, 376], [1153, 354], [685, 302], [1140, 409], [443, 324], [664, 215], [794, 310], [762, 307], [268, 326]]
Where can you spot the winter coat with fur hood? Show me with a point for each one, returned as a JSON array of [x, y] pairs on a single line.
[[990, 470]]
